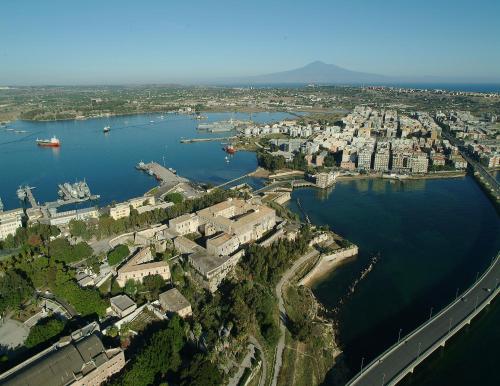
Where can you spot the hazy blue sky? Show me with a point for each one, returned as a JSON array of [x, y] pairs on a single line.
[[107, 41]]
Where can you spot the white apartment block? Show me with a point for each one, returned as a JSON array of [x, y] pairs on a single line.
[[10, 221]]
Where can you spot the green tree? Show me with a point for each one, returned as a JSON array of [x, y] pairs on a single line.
[[43, 331], [15, 289], [159, 355], [174, 197], [130, 287], [154, 285], [201, 372], [118, 254]]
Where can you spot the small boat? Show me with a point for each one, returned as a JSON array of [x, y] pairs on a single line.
[[53, 142], [151, 121], [106, 129]]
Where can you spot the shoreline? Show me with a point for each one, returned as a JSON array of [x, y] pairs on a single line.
[[169, 112], [326, 265]]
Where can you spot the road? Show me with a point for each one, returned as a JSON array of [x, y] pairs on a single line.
[[263, 375], [476, 166], [391, 366], [278, 360]]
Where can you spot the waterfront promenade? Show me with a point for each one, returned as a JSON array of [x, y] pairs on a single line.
[[399, 360]]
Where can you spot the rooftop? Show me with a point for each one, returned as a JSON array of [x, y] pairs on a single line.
[[173, 300], [122, 302]]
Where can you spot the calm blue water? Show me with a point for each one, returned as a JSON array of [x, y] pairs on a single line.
[[107, 161], [433, 237]]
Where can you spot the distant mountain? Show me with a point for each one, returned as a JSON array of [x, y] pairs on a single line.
[[315, 72], [322, 73]]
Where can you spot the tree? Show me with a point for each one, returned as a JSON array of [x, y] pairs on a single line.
[[174, 197], [159, 355], [43, 331], [130, 287], [201, 372], [15, 289], [197, 330], [78, 228], [63, 251], [118, 254], [154, 285]]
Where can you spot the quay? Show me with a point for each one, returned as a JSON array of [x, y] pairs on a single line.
[[398, 361], [25, 193], [161, 173], [215, 139]]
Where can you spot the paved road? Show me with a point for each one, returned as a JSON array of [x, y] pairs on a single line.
[[413, 348], [263, 375], [278, 360], [477, 166]]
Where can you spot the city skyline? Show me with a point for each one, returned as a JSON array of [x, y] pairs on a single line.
[[123, 43]]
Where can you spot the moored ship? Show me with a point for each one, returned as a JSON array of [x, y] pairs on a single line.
[[230, 149], [53, 142]]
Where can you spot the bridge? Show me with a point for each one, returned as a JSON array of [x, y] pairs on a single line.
[[401, 359]]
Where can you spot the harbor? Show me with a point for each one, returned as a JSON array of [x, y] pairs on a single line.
[[68, 193]]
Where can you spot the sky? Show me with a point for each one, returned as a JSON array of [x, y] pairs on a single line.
[[147, 41]]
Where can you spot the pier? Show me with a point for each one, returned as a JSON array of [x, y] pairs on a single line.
[[215, 139], [165, 175], [25, 193], [398, 361]]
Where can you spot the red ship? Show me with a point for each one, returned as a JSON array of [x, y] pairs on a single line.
[[53, 142], [230, 149]]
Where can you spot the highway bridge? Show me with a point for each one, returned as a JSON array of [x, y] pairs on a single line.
[[401, 359]]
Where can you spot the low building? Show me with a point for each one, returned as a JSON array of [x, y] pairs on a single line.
[[10, 221], [63, 218], [172, 301], [141, 266], [122, 305], [212, 269], [222, 244], [185, 245], [84, 362], [185, 224], [122, 209]]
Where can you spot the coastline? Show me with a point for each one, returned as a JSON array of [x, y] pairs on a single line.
[[326, 264]]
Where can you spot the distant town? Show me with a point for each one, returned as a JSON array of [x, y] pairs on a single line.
[[207, 285]]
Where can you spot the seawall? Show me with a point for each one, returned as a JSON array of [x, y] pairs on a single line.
[[326, 262]]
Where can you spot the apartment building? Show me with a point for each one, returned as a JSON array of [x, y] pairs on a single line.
[[10, 221]]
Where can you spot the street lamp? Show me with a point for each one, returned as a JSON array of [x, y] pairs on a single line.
[[362, 362], [430, 315], [399, 335]]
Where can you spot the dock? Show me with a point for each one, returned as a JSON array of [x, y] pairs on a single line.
[[165, 175], [215, 139], [25, 193]]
